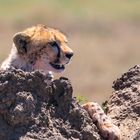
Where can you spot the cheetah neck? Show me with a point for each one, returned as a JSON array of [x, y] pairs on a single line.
[[17, 61]]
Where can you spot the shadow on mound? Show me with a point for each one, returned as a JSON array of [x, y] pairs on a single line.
[[32, 110]]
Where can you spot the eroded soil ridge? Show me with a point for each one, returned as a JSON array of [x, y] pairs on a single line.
[[124, 104]]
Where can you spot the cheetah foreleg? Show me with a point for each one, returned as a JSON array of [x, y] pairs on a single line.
[[107, 128]]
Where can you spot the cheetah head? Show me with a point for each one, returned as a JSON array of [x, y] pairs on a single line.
[[43, 48]]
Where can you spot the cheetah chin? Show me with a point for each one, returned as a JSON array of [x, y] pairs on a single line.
[[57, 66]]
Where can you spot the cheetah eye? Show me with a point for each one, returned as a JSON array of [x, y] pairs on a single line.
[[56, 48], [54, 44]]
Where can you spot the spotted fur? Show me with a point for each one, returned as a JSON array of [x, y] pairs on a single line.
[[107, 129]]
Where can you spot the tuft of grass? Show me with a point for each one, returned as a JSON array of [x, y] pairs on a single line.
[[104, 106], [81, 99]]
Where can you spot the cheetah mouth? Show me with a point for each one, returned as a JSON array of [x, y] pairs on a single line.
[[57, 66]]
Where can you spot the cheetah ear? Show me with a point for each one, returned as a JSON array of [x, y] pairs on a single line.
[[21, 40]]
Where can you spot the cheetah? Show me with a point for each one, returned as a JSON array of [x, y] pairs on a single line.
[[45, 49]]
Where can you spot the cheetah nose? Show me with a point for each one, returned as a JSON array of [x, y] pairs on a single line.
[[69, 55]]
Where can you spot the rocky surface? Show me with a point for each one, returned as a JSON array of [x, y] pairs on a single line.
[[32, 110], [124, 104]]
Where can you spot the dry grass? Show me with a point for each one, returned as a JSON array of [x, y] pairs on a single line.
[[103, 34]]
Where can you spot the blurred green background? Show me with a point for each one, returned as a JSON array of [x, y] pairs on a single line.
[[104, 34]]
